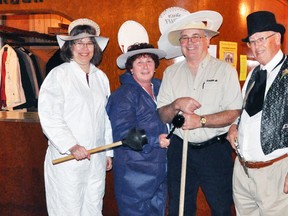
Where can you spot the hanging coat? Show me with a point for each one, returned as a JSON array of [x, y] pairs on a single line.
[[73, 112], [13, 85], [139, 177]]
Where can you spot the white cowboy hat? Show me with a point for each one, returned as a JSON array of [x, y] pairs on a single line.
[[209, 21], [132, 32], [169, 40], [102, 41]]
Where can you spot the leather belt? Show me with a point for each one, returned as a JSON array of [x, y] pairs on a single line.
[[261, 164], [207, 143]]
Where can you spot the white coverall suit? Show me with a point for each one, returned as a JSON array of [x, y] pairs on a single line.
[[73, 112]]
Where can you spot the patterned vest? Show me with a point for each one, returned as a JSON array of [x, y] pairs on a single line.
[[274, 121]]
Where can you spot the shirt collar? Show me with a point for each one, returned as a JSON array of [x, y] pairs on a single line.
[[205, 61], [276, 59]]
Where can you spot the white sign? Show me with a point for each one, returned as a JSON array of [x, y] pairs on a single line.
[[168, 17]]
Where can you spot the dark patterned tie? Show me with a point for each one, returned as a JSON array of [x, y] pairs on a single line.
[[256, 97]]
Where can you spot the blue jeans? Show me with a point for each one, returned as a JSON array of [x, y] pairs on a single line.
[[209, 168]]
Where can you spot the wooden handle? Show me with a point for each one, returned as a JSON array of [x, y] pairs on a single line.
[[183, 173], [91, 151]]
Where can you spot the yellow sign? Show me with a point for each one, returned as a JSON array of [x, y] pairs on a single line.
[[228, 52], [243, 67]]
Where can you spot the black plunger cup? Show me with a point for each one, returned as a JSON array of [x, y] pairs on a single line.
[[177, 122]]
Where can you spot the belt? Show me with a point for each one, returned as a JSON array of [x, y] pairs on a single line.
[[261, 164], [207, 143]]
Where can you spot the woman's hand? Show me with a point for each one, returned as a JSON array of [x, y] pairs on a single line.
[[108, 163], [79, 152], [164, 142]]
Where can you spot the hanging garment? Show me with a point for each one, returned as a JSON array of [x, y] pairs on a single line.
[[54, 61], [34, 64], [30, 68], [13, 85], [27, 83], [2, 83]]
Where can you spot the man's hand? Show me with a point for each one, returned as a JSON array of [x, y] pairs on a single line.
[[187, 105], [232, 135], [285, 189], [192, 121]]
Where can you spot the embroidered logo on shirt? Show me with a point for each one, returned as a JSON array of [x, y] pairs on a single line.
[[212, 80]]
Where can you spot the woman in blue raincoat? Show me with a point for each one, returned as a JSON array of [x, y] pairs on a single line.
[[139, 177]]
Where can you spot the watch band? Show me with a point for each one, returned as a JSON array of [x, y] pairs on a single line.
[[203, 121]]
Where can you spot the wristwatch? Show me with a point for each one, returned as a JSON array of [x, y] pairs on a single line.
[[203, 121]]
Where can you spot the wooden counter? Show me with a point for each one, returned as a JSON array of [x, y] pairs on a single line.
[[23, 147]]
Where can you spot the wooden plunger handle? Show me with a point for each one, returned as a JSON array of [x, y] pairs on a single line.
[[183, 173], [91, 151]]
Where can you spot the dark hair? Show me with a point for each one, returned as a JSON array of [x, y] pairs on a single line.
[[137, 46], [66, 50]]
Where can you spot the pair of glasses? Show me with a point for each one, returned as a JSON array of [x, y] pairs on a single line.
[[194, 38], [82, 44], [261, 40]]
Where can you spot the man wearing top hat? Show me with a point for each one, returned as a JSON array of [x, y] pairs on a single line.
[[260, 181], [207, 91]]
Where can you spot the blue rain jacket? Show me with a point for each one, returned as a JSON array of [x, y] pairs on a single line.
[[139, 177]]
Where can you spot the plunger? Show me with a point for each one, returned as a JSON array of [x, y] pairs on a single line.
[[183, 173], [135, 140], [177, 122]]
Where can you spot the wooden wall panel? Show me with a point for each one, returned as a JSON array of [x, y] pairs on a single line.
[[279, 8], [110, 15]]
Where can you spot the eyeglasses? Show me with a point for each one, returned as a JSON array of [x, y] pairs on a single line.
[[81, 45], [261, 40], [194, 38]]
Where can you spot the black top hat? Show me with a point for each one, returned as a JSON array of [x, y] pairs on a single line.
[[262, 21]]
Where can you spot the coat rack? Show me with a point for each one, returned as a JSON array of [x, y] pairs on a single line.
[[18, 37]]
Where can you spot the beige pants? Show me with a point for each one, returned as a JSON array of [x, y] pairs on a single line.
[[260, 194]]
